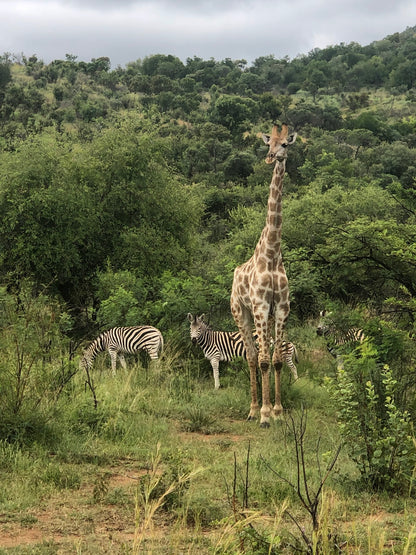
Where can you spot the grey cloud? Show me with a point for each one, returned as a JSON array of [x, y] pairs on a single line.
[[125, 30]]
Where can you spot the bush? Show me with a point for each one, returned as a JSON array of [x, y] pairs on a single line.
[[33, 372], [377, 434]]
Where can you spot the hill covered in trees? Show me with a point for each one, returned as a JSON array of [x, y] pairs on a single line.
[[130, 194]]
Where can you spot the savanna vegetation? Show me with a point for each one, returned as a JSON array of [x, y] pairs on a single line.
[[128, 196]]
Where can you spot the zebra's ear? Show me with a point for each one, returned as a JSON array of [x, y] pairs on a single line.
[[202, 317], [292, 138], [190, 317]]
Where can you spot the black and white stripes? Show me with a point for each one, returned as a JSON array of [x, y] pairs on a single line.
[[224, 346], [337, 338], [120, 340]]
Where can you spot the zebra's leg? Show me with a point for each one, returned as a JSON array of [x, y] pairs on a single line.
[[113, 356], [215, 370], [153, 353], [122, 360]]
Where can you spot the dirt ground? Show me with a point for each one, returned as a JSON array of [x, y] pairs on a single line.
[[74, 522], [97, 518]]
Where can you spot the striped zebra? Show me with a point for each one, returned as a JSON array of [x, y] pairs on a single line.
[[120, 340], [225, 345], [337, 338]]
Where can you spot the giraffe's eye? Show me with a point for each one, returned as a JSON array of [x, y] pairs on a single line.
[[284, 145]]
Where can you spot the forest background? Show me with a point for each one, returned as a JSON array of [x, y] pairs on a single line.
[[129, 195]]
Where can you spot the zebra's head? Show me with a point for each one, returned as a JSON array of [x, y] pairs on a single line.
[[85, 362], [323, 325], [197, 326]]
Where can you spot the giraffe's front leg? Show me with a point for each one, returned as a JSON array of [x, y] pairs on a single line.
[[278, 408], [252, 364], [264, 364], [277, 365], [266, 407]]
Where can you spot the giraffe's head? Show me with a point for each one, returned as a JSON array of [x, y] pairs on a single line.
[[278, 142]]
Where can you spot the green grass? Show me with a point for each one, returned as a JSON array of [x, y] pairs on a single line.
[[168, 464]]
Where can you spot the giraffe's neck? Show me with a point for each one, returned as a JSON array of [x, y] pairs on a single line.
[[270, 240]]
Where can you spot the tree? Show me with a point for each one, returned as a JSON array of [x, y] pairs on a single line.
[[404, 74], [315, 80], [239, 166], [5, 75], [233, 112], [361, 241], [67, 210]]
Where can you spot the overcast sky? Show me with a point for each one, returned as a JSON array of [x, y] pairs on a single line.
[[128, 30]]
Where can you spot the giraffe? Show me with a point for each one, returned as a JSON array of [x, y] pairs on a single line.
[[260, 290]]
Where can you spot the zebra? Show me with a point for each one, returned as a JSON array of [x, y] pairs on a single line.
[[225, 345], [120, 340], [336, 337]]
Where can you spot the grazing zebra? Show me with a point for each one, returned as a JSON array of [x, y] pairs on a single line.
[[226, 345], [121, 340], [335, 337]]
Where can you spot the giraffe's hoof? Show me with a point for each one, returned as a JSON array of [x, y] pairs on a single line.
[[265, 425], [250, 418]]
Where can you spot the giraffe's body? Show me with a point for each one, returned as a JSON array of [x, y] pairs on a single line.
[[260, 291]]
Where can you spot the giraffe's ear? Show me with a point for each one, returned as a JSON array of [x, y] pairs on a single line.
[[266, 138], [292, 138]]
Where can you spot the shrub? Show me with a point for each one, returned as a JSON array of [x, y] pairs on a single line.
[[33, 369], [377, 434]]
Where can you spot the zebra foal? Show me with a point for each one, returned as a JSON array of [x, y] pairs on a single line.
[[120, 340], [220, 346]]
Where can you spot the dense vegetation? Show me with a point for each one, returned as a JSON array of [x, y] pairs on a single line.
[[129, 195], [143, 187]]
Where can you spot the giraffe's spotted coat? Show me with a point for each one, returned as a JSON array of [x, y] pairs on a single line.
[[260, 291]]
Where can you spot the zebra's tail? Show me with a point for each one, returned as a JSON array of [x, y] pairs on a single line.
[[295, 352], [161, 345]]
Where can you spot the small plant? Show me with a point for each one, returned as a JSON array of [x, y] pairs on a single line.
[[152, 495], [247, 530], [58, 476], [198, 420], [321, 540], [100, 489]]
